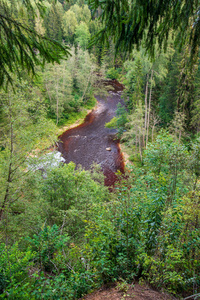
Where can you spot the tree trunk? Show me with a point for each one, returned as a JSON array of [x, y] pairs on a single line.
[[140, 146], [146, 106], [148, 120], [87, 84], [9, 180], [57, 102]]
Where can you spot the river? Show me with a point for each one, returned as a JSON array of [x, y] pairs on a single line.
[[91, 142]]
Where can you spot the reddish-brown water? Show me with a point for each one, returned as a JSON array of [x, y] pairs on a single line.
[[86, 144]]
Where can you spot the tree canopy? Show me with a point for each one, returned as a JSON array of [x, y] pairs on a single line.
[[62, 232], [21, 47], [134, 21]]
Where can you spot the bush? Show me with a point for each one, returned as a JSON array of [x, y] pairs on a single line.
[[112, 74]]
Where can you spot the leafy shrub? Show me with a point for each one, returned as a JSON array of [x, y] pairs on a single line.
[[112, 73]]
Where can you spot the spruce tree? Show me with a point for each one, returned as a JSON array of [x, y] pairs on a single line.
[[131, 22], [21, 47]]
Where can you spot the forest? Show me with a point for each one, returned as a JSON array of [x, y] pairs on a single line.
[[63, 232]]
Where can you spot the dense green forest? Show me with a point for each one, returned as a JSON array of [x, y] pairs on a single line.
[[63, 233]]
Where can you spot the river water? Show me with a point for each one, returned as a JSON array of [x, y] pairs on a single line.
[[89, 142]]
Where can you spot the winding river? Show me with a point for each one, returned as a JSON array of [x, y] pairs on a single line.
[[92, 142]]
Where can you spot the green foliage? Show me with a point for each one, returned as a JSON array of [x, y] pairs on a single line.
[[149, 228], [196, 105], [168, 95], [22, 47], [113, 239], [53, 22], [135, 131], [82, 35], [24, 127], [69, 191], [122, 286], [120, 121], [167, 157], [14, 267], [172, 266], [77, 25], [69, 25], [66, 90], [112, 73], [45, 244], [112, 123], [134, 81], [138, 27], [158, 152], [194, 160], [62, 233]]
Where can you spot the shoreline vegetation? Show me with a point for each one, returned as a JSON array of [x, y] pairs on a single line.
[[76, 122], [80, 120], [63, 233]]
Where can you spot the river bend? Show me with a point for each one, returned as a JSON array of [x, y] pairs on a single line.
[[92, 142]]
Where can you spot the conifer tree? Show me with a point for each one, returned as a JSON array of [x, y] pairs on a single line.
[[21, 47], [53, 22], [195, 120], [24, 128], [134, 21]]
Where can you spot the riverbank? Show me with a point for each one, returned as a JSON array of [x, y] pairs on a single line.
[[87, 140], [74, 122], [91, 142], [79, 121], [125, 154]]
